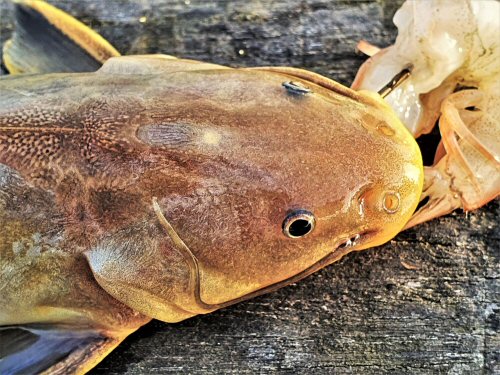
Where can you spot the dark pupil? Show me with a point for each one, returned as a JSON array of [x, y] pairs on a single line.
[[299, 228]]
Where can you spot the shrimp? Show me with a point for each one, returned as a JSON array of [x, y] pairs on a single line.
[[453, 51]]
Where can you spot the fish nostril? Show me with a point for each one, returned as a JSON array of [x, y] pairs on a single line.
[[391, 202], [370, 122], [386, 130], [296, 88]]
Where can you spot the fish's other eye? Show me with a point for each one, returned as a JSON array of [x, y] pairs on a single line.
[[298, 224]]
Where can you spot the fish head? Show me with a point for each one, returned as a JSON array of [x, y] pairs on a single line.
[[291, 183], [272, 184]]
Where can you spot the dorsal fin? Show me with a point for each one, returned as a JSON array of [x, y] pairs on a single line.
[[154, 64], [48, 40]]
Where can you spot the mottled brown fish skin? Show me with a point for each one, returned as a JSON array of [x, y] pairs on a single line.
[[227, 154]]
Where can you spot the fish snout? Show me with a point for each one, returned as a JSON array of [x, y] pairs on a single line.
[[397, 178]]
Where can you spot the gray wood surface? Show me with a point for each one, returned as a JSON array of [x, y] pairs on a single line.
[[425, 303]]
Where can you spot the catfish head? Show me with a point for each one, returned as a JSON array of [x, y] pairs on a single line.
[[163, 188], [249, 179]]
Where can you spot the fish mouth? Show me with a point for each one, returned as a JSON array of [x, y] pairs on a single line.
[[343, 247]]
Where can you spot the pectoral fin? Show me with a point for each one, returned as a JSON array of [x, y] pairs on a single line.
[[48, 40], [53, 349]]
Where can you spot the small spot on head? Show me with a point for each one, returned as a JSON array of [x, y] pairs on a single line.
[[211, 137], [178, 135]]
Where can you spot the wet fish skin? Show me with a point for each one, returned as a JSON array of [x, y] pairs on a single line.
[[162, 188], [226, 152]]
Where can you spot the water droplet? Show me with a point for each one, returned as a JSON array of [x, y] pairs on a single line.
[[241, 52], [143, 19]]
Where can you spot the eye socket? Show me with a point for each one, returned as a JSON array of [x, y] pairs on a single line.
[[298, 224]]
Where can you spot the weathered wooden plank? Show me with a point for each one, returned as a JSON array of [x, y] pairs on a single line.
[[426, 303]]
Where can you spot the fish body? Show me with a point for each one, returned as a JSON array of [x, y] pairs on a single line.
[[163, 188]]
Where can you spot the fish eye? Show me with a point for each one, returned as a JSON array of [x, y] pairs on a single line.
[[298, 224]]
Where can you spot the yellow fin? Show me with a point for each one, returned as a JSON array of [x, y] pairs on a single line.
[[48, 40]]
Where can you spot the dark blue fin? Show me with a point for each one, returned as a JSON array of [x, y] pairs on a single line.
[[48, 40], [31, 350]]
